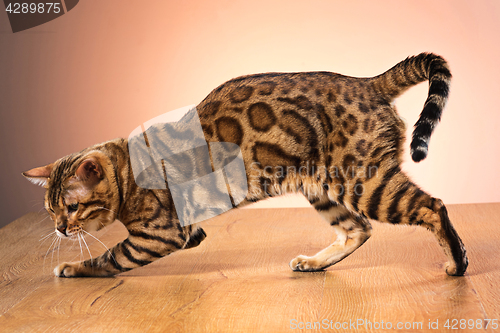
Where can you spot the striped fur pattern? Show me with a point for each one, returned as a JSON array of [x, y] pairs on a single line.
[[336, 139]]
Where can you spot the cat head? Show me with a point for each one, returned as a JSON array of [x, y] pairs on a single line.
[[79, 193]]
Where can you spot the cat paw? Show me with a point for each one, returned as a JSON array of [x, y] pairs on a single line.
[[453, 270], [304, 264], [67, 269]]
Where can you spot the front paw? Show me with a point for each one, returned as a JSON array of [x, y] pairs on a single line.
[[304, 264], [67, 269]]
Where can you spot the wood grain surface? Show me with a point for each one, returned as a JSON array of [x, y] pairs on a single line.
[[238, 279]]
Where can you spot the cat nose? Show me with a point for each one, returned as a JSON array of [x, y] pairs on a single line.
[[62, 229]]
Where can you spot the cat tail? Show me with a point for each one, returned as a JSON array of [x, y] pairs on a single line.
[[413, 70]]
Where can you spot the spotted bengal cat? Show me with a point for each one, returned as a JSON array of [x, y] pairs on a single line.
[[341, 133]]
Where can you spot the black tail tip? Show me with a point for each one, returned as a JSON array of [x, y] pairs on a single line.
[[418, 153]]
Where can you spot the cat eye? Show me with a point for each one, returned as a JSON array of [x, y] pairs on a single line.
[[73, 207]]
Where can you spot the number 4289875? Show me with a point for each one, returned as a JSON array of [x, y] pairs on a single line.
[[24, 8], [455, 324]]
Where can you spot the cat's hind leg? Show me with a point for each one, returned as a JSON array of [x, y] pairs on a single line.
[[393, 198], [352, 231]]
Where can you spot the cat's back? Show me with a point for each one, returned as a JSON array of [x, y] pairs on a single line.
[[289, 116], [268, 93]]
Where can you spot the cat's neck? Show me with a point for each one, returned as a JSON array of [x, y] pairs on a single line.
[[119, 175]]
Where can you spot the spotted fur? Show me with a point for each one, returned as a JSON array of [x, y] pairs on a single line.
[[336, 139]]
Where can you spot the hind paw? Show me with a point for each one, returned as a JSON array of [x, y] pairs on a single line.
[[305, 264], [453, 270]]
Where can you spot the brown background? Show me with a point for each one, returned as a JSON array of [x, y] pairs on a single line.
[[104, 68]]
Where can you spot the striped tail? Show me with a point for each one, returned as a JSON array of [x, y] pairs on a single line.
[[425, 66]]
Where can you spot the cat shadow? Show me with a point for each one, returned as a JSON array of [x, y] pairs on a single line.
[[209, 261]]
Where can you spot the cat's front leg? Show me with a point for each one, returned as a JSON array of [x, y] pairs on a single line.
[[104, 265], [140, 248]]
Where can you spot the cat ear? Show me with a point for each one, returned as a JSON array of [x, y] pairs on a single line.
[[89, 171], [39, 176]]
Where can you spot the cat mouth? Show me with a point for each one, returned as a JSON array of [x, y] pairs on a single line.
[[71, 236]]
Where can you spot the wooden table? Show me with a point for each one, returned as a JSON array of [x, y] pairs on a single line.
[[238, 279]]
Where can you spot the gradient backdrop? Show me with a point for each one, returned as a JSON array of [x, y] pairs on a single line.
[[104, 68]]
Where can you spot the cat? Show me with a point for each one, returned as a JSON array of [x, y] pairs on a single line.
[[344, 131]]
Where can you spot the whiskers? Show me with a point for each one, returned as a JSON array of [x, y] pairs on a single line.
[[97, 239], [81, 239], [38, 203], [43, 219], [55, 244], [109, 210], [76, 238], [44, 238]]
